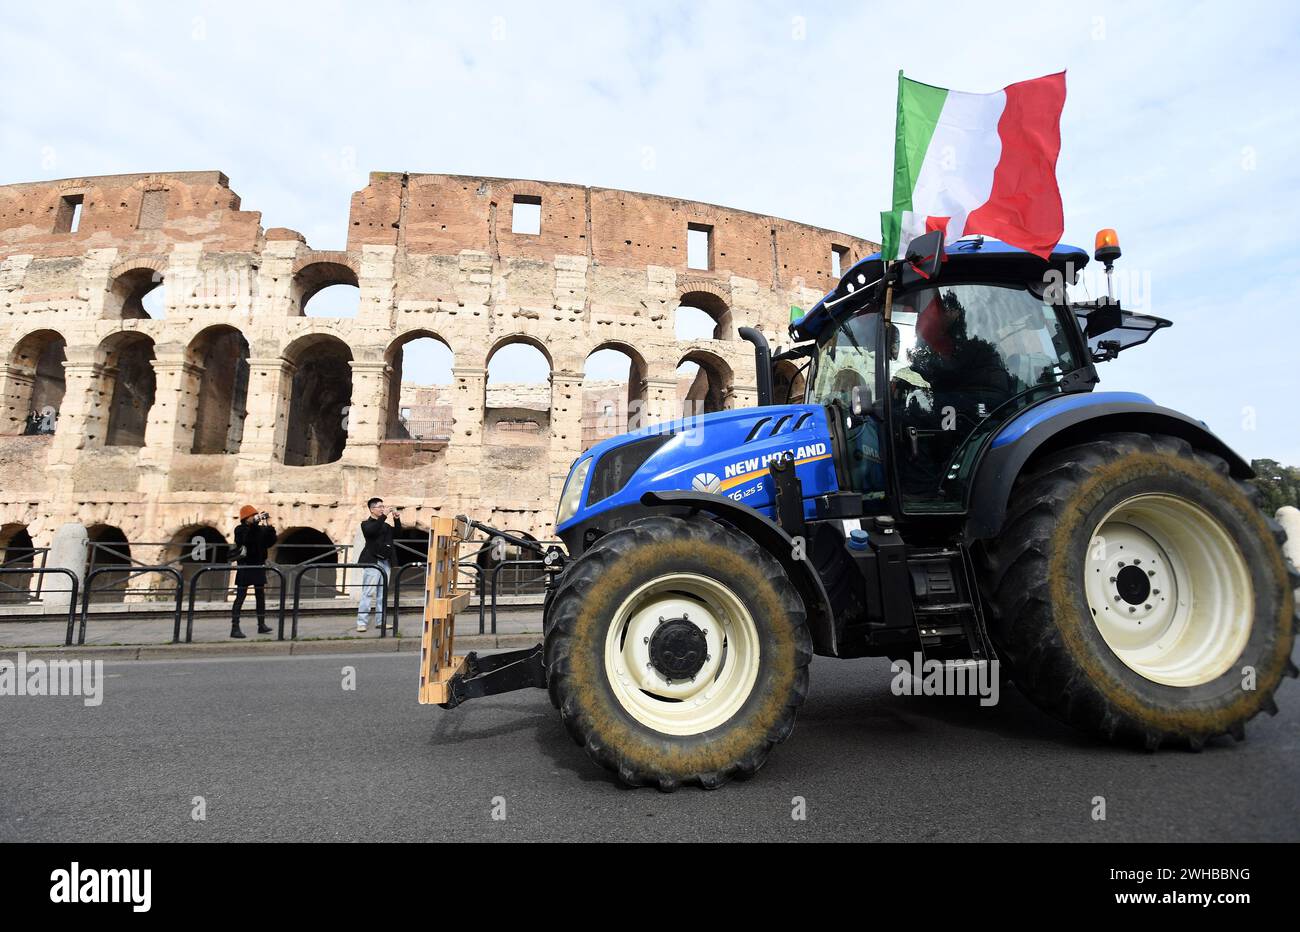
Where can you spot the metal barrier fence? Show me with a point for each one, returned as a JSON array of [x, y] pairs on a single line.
[[496, 572], [383, 608], [114, 557], [509, 577], [189, 615], [90, 580], [72, 591], [23, 564]]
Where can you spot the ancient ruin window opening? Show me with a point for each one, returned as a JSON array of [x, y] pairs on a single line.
[[788, 383], [702, 315], [195, 546], [319, 401], [419, 392], [109, 549], [326, 289], [526, 216], [839, 261], [613, 393], [34, 384], [518, 402], [300, 546], [67, 218], [704, 384], [219, 387], [130, 384], [699, 246], [17, 551], [140, 294], [410, 545]]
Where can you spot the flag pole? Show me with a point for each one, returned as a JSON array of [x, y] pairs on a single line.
[[885, 261]]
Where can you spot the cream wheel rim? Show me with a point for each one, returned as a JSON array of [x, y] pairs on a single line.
[[1169, 590], [712, 695]]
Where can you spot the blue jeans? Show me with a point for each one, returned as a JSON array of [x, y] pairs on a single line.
[[370, 583]]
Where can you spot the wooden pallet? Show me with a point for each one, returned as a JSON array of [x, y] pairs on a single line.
[[443, 598]]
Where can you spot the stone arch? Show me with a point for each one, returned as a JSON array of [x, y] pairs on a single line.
[[217, 386], [314, 272], [196, 545], [713, 302], [298, 545], [34, 383], [527, 339], [710, 385], [127, 381], [130, 281], [608, 413], [108, 548], [517, 413], [318, 400], [431, 406], [788, 383], [17, 551]]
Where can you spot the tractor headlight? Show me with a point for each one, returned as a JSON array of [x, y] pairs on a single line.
[[572, 492]]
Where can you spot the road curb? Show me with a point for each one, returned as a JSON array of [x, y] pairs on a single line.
[[119, 652]]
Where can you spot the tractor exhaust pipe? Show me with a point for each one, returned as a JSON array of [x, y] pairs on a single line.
[[762, 363]]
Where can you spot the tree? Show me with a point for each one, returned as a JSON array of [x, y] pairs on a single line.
[[1278, 485]]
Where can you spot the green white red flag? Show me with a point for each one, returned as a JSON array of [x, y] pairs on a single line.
[[977, 163]]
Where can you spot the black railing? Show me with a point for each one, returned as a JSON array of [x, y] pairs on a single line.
[[496, 572], [490, 583], [23, 562], [382, 603], [397, 591], [90, 581], [215, 567], [72, 592]]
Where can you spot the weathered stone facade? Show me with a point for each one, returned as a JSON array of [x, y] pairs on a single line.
[[162, 428]]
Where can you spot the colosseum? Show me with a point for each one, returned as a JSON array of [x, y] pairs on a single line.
[[161, 368]]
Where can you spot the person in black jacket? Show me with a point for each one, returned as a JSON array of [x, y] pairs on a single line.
[[378, 553], [253, 539]]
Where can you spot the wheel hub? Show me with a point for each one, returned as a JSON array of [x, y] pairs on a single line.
[[1132, 585], [678, 649]]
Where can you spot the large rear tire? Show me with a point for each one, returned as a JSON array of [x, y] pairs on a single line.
[[1136, 591], [677, 651]]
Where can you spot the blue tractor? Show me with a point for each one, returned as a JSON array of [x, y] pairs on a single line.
[[951, 490]]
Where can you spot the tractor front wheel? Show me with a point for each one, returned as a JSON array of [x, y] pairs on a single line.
[[677, 652], [1136, 591]]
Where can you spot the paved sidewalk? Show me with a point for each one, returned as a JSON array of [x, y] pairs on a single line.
[[143, 638]]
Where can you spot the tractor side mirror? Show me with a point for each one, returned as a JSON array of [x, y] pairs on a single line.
[[924, 256]]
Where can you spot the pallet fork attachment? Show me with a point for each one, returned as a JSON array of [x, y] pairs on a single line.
[[446, 679]]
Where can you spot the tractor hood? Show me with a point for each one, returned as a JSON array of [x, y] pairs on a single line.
[[724, 453]]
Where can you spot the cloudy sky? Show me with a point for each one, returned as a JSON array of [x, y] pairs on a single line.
[[1181, 129]]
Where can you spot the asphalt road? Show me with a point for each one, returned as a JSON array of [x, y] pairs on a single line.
[[280, 751]]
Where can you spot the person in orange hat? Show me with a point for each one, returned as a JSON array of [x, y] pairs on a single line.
[[253, 539]]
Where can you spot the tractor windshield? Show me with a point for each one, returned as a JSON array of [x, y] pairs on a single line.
[[969, 357]]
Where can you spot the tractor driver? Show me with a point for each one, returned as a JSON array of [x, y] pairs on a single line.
[[964, 371]]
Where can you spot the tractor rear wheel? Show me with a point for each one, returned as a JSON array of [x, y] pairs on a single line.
[[677, 651], [1137, 592]]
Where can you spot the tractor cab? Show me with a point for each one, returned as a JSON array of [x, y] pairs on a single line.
[[926, 371]]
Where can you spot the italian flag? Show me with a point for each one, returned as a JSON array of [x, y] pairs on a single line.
[[977, 163]]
